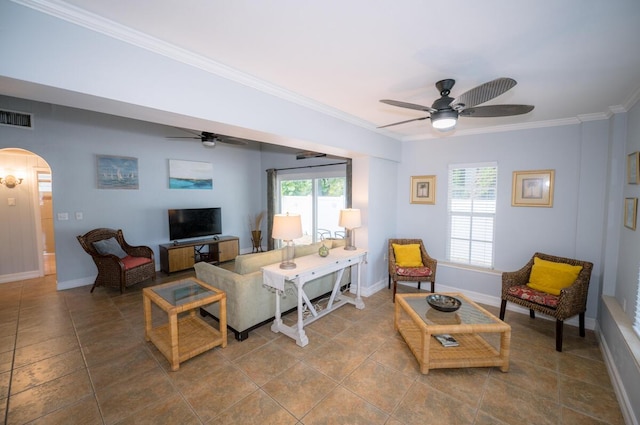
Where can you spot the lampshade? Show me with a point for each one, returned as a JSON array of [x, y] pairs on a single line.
[[444, 120], [350, 218], [287, 227]]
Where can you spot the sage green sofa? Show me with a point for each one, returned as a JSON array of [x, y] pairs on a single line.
[[249, 303]]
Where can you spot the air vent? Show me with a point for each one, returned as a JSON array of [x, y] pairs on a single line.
[[16, 119]]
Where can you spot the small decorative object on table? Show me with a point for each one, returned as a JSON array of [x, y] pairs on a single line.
[[323, 251], [443, 302]]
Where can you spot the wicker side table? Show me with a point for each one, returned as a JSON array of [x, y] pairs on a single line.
[[185, 335], [418, 324]]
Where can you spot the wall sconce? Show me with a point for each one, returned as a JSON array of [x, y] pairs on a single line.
[[287, 228], [350, 220], [10, 181]]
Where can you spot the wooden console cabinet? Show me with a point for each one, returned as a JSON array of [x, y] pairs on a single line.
[[182, 256]]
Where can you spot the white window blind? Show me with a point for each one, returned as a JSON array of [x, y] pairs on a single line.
[[472, 213]]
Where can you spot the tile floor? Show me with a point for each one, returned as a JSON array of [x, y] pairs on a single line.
[[71, 357]]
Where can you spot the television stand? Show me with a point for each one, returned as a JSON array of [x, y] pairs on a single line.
[[183, 255]]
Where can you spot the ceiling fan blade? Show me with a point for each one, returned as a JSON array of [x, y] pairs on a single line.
[[407, 105], [403, 122], [484, 92], [232, 141], [496, 111]]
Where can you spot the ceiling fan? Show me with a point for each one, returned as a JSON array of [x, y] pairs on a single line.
[[444, 112], [211, 139]]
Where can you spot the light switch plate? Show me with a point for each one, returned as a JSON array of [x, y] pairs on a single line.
[[63, 216], [11, 201]]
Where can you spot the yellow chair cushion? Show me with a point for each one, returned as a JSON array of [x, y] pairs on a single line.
[[408, 255], [551, 277]]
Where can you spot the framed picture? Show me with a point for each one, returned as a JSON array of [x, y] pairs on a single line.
[[116, 172], [423, 189], [630, 212], [533, 188], [633, 168], [190, 174]]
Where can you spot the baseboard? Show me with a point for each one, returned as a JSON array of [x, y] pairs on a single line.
[[20, 276], [616, 381], [76, 283]]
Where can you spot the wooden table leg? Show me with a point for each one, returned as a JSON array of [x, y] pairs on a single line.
[[223, 320], [147, 317], [173, 335]]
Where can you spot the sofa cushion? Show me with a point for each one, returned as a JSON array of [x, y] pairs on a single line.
[[526, 293], [109, 247], [132, 262], [302, 250], [338, 242], [413, 271], [250, 263], [551, 277]]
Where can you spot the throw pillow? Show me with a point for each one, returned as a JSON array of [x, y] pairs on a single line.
[[109, 246], [551, 277], [407, 255]]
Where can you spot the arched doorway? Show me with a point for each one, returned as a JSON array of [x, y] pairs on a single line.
[[26, 205]]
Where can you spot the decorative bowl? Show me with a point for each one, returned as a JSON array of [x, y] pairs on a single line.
[[443, 302]]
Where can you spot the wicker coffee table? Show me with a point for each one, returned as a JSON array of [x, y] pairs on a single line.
[[183, 338], [418, 323]]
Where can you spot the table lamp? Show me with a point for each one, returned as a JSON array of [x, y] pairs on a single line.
[[287, 228], [350, 220]]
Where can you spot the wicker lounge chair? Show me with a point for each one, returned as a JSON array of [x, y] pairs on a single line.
[[571, 301], [120, 268], [426, 273]]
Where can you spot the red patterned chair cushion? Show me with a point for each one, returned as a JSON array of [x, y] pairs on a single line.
[[413, 271], [132, 262], [526, 293]]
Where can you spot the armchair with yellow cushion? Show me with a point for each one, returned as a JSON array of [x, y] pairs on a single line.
[[410, 262], [550, 285]]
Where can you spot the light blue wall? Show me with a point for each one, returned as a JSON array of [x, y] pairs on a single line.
[[572, 228], [69, 140]]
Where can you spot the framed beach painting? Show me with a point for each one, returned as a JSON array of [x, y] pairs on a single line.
[[423, 189], [116, 172], [532, 188], [190, 174]]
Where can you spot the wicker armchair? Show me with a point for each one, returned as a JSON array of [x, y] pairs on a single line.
[[135, 266], [413, 274], [571, 301]]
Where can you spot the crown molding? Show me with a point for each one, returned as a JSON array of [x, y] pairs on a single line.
[[62, 10], [498, 129]]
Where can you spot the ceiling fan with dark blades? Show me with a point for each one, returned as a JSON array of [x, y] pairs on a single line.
[[211, 139], [444, 112]]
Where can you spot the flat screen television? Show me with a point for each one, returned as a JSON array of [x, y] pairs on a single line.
[[194, 223]]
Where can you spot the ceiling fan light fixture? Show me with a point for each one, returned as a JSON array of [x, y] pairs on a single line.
[[210, 143], [444, 120]]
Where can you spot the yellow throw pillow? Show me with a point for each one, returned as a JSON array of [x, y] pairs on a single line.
[[551, 277], [408, 255]]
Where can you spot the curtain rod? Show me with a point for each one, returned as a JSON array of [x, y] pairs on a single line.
[[310, 166]]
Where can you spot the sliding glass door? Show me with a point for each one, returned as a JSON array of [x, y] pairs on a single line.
[[318, 199]]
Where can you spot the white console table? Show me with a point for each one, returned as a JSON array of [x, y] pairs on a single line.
[[311, 267]]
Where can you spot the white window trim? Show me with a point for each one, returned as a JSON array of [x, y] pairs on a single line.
[[449, 214]]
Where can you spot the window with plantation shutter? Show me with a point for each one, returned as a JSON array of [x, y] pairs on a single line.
[[472, 213]]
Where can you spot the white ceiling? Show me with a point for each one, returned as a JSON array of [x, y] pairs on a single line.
[[573, 59]]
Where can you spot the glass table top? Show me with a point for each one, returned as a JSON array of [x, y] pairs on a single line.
[[183, 292], [467, 314]]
